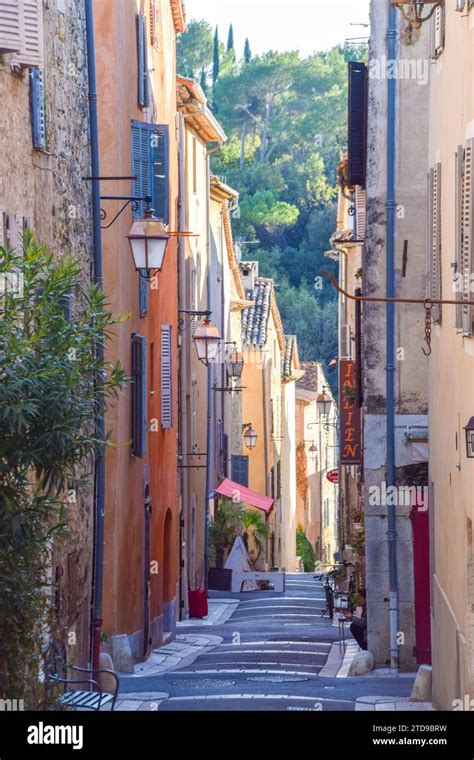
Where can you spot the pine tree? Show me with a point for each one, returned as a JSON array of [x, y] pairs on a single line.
[[215, 65], [247, 51]]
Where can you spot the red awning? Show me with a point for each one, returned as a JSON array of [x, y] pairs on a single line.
[[245, 495]]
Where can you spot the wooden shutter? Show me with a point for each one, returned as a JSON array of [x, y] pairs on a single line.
[[153, 23], [12, 233], [278, 490], [240, 469], [458, 263], [225, 454], [10, 27], [438, 30], [141, 168], [166, 377], [139, 411], [143, 86], [142, 296], [357, 134], [467, 235], [194, 413], [160, 169], [38, 116], [360, 213], [434, 264], [31, 19], [345, 342]]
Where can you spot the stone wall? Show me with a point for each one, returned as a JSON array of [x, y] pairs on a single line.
[[46, 190]]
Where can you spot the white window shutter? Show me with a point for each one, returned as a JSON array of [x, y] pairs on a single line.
[[166, 377], [439, 26], [458, 264], [345, 342], [468, 235], [360, 213], [31, 53], [10, 26]]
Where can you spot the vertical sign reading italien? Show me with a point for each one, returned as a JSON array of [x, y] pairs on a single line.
[[349, 414]]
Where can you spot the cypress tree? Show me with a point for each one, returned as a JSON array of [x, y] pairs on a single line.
[[203, 81], [247, 51], [215, 64], [230, 38]]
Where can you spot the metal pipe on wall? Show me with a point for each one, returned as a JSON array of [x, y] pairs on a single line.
[[99, 478], [390, 332]]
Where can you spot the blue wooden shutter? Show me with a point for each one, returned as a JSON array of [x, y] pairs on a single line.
[[166, 377], [142, 63], [139, 411], [240, 469], [38, 116], [159, 146], [141, 167], [357, 124], [143, 296]]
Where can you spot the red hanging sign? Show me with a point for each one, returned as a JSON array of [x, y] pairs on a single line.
[[350, 422], [333, 476]]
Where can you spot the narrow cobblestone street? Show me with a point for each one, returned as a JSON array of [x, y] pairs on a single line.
[[272, 651]]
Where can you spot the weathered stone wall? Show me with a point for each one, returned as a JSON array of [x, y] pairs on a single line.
[[46, 190], [411, 394]]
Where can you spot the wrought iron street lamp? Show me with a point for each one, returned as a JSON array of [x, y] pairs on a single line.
[[207, 339], [470, 438], [323, 402], [148, 239], [250, 435], [234, 365]]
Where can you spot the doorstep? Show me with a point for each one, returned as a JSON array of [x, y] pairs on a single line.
[[219, 611]]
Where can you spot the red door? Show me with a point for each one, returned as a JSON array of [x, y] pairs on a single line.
[[421, 565]]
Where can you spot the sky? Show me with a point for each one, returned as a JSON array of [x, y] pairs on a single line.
[[305, 25]]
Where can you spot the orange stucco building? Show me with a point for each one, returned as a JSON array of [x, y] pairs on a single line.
[[136, 74]]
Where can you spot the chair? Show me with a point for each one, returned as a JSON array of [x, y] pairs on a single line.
[[75, 693]]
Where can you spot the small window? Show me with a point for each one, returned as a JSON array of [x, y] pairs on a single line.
[[240, 469], [139, 410], [143, 84], [194, 165]]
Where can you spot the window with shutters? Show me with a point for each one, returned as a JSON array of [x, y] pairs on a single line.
[[272, 482], [438, 31], [143, 84], [458, 274], [38, 112], [434, 240], [150, 166], [357, 124], [240, 469], [278, 488], [467, 236], [166, 377], [139, 410]]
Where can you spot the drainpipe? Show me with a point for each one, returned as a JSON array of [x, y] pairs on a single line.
[[390, 333], [99, 478], [210, 372], [183, 374]]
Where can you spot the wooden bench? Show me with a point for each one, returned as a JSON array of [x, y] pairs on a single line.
[[81, 693]]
